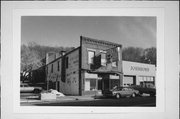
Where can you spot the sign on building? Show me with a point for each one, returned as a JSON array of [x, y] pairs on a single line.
[[112, 55]]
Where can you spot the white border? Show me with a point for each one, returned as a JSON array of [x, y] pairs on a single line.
[[166, 107], [156, 12]]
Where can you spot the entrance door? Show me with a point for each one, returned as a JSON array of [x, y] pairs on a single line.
[[99, 85], [106, 84]]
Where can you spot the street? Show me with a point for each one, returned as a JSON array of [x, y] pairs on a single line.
[[91, 101]]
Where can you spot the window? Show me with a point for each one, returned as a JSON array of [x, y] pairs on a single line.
[[67, 62], [26, 86], [58, 66], [90, 84], [109, 58], [124, 89], [91, 55], [103, 59], [114, 64], [52, 68], [47, 70]]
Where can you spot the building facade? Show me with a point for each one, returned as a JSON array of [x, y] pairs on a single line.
[[138, 74], [63, 73], [94, 66]]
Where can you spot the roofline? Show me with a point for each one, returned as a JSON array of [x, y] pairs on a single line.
[[103, 72], [64, 55], [99, 41], [138, 62]]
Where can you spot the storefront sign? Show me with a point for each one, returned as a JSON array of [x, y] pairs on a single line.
[[136, 68], [88, 75], [114, 77]]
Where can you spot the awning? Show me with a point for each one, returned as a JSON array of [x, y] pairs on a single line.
[[105, 72]]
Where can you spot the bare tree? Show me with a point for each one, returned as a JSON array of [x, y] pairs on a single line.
[[29, 61], [33, 57]]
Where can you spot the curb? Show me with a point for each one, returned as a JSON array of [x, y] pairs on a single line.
[[26, 101], [59, 99]]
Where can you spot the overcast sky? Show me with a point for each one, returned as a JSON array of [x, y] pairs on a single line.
[[66, 30]]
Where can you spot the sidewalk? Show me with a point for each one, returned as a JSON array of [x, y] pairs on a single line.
[[86, 97], [65, 98]]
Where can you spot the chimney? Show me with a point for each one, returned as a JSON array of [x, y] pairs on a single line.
[[63, 52], [50, 57]]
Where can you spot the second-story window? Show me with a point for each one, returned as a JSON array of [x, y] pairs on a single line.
[[52, 68], [91, 55], [103, 59], [114, 64], [47, 70], [58, 65], [67, 62]]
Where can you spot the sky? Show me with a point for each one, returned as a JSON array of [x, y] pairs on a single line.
[[66, 30]]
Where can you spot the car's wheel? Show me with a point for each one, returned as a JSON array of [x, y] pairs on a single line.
[[133, 95], [36, 91], [140, 94], [118, 96]]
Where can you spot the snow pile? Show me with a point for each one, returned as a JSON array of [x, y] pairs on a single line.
[[58, 94]]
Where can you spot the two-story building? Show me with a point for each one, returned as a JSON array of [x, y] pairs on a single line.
[[94, 66]]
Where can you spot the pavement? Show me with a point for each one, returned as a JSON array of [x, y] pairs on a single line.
[[62, 98], [91, 101], [87, 98]]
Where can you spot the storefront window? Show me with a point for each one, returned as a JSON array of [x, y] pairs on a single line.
[[147, 81], [151, 79], [90, 84]]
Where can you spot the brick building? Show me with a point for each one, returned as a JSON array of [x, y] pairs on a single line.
[[92, 67]]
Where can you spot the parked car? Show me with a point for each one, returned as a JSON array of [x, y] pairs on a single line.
[[146, 89], [119, 92], [25, 88]]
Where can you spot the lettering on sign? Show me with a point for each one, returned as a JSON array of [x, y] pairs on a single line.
[[135, 68]]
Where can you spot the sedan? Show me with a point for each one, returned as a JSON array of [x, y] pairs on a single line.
[[119, 92], [25, 88]]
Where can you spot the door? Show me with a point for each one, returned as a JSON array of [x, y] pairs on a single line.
[[128, 80], [106, 84], [99, 85]]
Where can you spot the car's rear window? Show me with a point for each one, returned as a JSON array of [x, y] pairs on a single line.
[[119, 88], [25, 85]]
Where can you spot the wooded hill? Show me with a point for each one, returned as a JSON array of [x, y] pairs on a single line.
[[33, 55]]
